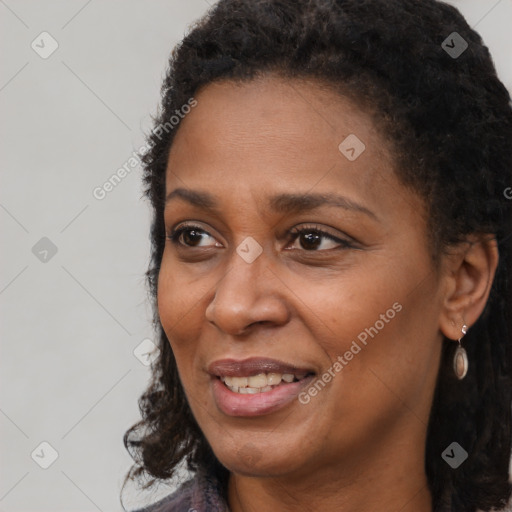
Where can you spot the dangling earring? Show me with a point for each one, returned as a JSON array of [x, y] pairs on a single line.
[[460, 360]]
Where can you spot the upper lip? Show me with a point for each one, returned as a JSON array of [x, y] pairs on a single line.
[[253, 366]]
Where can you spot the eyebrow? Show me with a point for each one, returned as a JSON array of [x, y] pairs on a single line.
[[281, 203]]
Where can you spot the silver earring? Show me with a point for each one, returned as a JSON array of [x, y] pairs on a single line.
[[460, 360]]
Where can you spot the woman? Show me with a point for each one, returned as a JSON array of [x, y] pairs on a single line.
[[331, 263]]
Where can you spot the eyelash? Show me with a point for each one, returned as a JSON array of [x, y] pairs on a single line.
[[175, 234]]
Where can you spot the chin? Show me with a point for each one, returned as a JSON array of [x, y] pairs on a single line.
[[256, 461]]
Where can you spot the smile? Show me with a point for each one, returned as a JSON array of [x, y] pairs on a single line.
[[261, 383], [256, 386]]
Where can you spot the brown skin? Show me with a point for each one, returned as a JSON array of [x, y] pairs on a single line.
[[359, 444]]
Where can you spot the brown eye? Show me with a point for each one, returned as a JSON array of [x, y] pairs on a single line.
[[310, 239], [188, 236]]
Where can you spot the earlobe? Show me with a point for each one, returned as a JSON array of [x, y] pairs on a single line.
[[470, 268]]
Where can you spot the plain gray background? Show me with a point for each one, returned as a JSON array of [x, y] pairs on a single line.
[[71, 319]]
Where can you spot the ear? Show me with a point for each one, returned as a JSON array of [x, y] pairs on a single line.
[[469, 270]]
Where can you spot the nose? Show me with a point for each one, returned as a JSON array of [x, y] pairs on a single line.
[[248, 294]]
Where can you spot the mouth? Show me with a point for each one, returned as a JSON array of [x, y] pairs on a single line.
[[256, 386], [262, 382]]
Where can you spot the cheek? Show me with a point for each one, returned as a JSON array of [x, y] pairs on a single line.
[[182, 300], [176, 304], [395, 365], [177, 319], [178, 298], [382, 319], [170, 308], [354, 309]]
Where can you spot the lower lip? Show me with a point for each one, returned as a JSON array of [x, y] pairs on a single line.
[[257, 404]]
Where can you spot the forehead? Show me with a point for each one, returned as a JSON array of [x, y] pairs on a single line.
[[276, 134], [291, 115]]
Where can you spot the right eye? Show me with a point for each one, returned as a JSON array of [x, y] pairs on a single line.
[[188, 235]]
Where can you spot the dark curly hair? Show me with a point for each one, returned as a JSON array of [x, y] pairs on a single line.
[[449, 121]]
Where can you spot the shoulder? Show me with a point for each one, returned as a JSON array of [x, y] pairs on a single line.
[[202, 493], [179, 501]]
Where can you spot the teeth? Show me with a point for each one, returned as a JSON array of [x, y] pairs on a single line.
[[239, 382], [273, 379], [260, 383]]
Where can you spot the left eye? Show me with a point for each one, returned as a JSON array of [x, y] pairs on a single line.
[[311, 238]]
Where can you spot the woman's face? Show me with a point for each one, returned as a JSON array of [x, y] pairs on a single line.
[[352, 313]]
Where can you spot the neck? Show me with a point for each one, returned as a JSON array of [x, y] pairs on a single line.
[[395, 479]]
